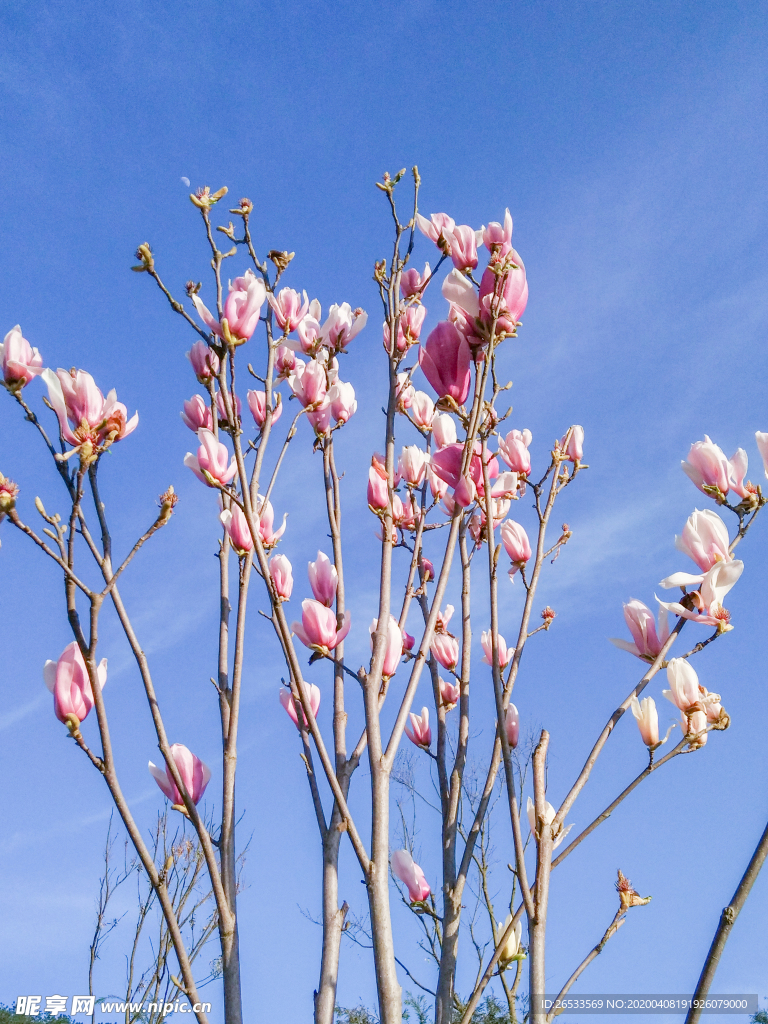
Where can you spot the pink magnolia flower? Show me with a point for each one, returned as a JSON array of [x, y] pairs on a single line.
[[288, 702], [282, 576], [647, 642], [410, 874], [704, 539], [9, 491], [707, 465], [447, 461], [378, 491], [343, 402], [323, 579], [197, 414], [512, 725], [411, 322], [422, 410], [708, 599], [505, 656], [574, 449], [419, 731], [406, 515], [204, 361], [460, 292], [242, 308], [547, 818], [761, 437], [404, 392], [737, 470], [506, 297], [94, 420], [379, 463], [317, 628], [206, 316], [683, 682], [342, 325], [499, 508], [19, 361], [222, 409], [408, 328], [394, 649], [285, 362], [288, 308], [463, 242], [449, 695], [467, 327], [443, 429], [476, 527], [412, 282], [694, 726], [211, 459], [516, 543], [234, 522], [309, 330], [444, 616], [514, 450], [436, 228], [309, 385], [412, 464], [437, 486], [647, 718], [499, 236], [445, 362], [698, 705], [504, 487], [320, 418], [445, 648], [68, 681], [269, 537], [194, 774], [408, 642], [511, 951], [427, 569], [257, 403], [711, 703]]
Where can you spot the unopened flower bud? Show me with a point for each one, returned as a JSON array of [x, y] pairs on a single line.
[[204, 200], [627, 895], [144, 253], [8, 493], [280, 259], [168, 502]]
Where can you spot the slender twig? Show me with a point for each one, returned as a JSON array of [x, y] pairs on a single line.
[[13, 516], [610, 931], [652, 767], [583, 776], [727, 921]]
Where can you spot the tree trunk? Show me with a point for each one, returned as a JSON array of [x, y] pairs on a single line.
[[449, 953], [333, 923], [230, 961], [388, 988]]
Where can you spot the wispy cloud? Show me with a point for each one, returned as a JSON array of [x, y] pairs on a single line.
[[17, 714]]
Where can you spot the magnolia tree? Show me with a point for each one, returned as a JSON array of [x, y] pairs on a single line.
[[452, 472]]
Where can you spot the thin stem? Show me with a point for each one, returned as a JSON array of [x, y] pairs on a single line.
[[66, 569], [610, 931], [581, 781], [615, 803], [727, 921]]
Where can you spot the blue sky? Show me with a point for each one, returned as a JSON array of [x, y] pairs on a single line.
[[629, 142]]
